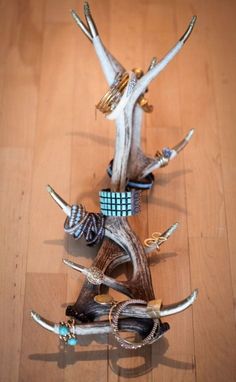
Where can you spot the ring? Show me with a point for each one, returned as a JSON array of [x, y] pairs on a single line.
[[95, 276], [112, 97], [65, 333], [155, 240], [114, 94], [162, 158], [114, 319]]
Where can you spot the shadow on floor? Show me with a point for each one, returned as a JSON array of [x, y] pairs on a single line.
[[151, 357]]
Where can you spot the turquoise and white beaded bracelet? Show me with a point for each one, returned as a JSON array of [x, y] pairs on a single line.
[[119, 203]]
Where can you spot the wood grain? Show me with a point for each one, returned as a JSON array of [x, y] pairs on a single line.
[[50, 81]]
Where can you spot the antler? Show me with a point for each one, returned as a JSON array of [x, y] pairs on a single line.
[[129, 158], [124, 103]]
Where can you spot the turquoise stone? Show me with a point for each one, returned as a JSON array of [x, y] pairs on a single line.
[[72, 341], [63, 330]]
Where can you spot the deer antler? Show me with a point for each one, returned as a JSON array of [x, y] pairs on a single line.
[[139, 165], [120, 244]]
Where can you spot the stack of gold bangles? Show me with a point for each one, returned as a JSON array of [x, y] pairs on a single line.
[[112, 97]]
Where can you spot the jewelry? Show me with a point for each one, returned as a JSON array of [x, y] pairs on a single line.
[[145, 184], [153, 308], [119, 203], [162, 158], [155, 240], [114, 319], [113, 96], [65, 333], [87, 224], [142, 101], [104, 299], [95, 276]]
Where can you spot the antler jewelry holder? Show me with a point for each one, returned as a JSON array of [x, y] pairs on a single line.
[[131, 173]]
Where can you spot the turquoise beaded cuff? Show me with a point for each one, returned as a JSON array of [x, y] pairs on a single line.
[[119, 203]]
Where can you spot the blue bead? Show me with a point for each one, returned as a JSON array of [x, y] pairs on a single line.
[[167, 152], [63, 330], [72, 341]]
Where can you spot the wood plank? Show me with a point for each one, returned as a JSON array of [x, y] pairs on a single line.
[[15, 169], [19, 72], [174, 354], [207, 218], [55, 89], [8, 12], [21, 75], [222, 51], [89, 157], [43, 357], [52, 149], [215, 340], [170, 267], [198, 111]]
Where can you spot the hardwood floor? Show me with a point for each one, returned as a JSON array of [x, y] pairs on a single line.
[[50, 80]]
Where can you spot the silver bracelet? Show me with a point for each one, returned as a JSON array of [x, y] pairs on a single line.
[[114, 319]]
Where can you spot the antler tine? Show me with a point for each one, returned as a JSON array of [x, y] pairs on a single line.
[[104, 326], [96, 277], [101, 327], [157, 242], [117, 67], [82, 26], [167, 155], [88, 33], [46, 324], [98, 327], [90, 21], [170, 230], [150, 75], [189, 30], [180, 306], [163, 310], [109, 64], [60, 202], [181, 145]]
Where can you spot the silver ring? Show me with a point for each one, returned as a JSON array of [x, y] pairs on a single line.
[[95, 276]]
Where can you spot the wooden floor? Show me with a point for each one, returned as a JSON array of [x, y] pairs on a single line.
[[50, 81]]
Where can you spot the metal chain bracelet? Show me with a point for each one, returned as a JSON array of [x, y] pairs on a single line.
[[114, 320]]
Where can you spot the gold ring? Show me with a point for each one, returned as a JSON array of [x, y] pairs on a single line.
[[112, 97]]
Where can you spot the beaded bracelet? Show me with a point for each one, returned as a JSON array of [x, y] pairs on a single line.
[[119, 203]]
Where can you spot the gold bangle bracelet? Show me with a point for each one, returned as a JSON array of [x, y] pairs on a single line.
[[112, 97]]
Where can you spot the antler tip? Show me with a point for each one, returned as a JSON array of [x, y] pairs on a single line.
[[190, 134], [175, 225], [86, 8], [34, 315], [66, 262], [189, 30], [171, 230], [46, 324], [195, 294], [49, 188], [194, 19], [75, 266], [73, 13]]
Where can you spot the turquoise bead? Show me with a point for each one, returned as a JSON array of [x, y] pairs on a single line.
[[63, 330], [72, 341]]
